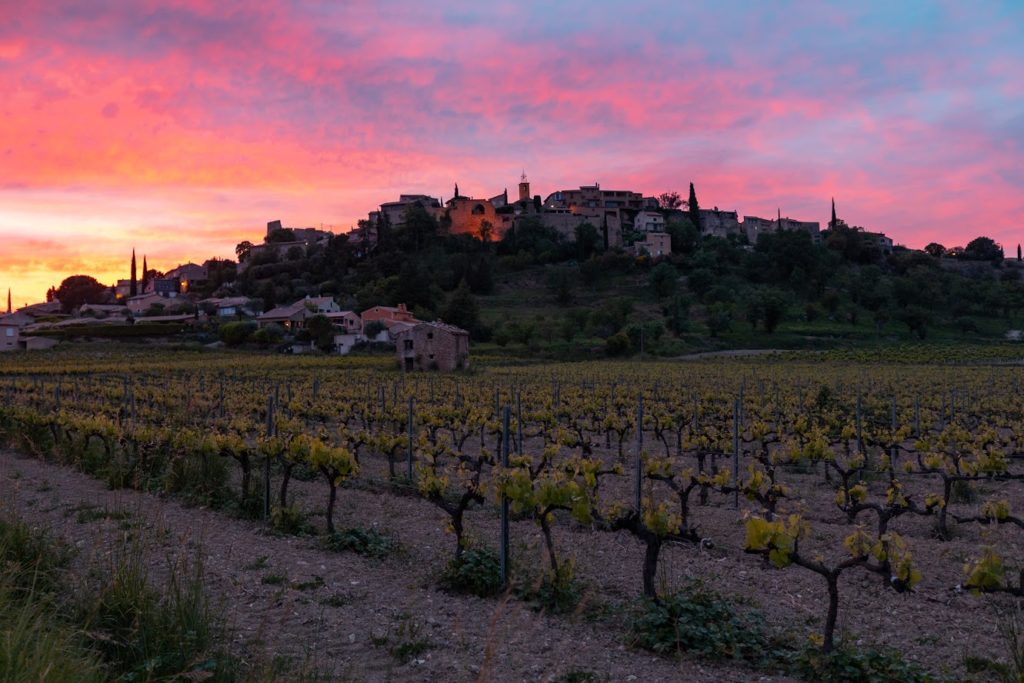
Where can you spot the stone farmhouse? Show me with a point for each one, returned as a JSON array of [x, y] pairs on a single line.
[[433, 346]]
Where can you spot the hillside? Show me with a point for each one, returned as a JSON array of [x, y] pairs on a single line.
[[535, 292]]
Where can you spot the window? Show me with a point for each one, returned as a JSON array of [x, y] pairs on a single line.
[[10, 331], [408, 345], [430, 335]]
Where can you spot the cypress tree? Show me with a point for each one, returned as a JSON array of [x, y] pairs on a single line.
[[694, 208], [832, 223], [145, 274], [9, 293], [134, 290], [1019, 259]]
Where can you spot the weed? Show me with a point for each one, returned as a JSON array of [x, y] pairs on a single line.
[[368, 542], [1011, 628], [853, 665], [86, 513], [257, 564], [312, 584], [404, 641], [699, 620], [274, 579], [963, 492], [145, 633], [577, 676], [476, 571], [558, 594], [335, 600], [290, 520]]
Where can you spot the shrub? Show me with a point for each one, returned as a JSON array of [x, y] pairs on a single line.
[[198, 476], [617, 344], [368, 542], [850, 665], [289, 520], [476, 571], [235, 334], [700, 621], [559, 593]]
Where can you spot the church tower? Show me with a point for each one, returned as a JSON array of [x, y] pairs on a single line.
[[524, 188]]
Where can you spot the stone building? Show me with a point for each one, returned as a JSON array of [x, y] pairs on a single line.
[[432, 346], [610, 211], [754, 227], [654, 244], [394, 212], [477, 217], [719, 223]]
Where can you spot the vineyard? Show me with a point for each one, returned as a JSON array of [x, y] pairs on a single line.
[[856, 505]]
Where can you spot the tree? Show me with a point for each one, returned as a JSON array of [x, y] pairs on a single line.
[[983, 249], [462, 309], [587, 239], [145, 274], [235, 334], [663, 279], [1019, 259], [80, 289], [935, 249], [773, 307], [832, 224], [560, 285], [280, 235], [241, 250], [670, 200], [693, 209], [916, 318], [678, 314], [321, 332], [719, 318], [133, 289], [486, 231], [683, 233]]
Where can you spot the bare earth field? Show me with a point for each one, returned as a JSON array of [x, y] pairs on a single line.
[[340, 612], [470, 639]]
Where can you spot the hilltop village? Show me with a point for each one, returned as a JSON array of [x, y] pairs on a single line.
[[418, 276]]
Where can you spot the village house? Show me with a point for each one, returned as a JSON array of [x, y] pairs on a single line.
[[388, 315], [348, 320], [141, 303], [433, 346], [654, 244], [393, 213], [478, 217], [10, 329], [610, 211], [102, 311], [188, 275], [123, 289], [293, 316], [719, 223], [304, 238], [754, 227], [228, 307], [649, 221]]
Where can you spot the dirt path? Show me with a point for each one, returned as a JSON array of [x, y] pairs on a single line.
[[333, 610]]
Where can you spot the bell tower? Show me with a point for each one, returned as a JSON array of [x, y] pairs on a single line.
[[524, 188]]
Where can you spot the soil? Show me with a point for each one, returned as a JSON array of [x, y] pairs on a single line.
[[365, 606]]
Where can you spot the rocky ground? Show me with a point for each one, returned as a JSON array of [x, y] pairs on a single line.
[[356, 617]]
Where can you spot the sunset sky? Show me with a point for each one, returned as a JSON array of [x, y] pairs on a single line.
[[181, 128]]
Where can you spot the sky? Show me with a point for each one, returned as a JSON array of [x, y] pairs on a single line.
[[180, 127]]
